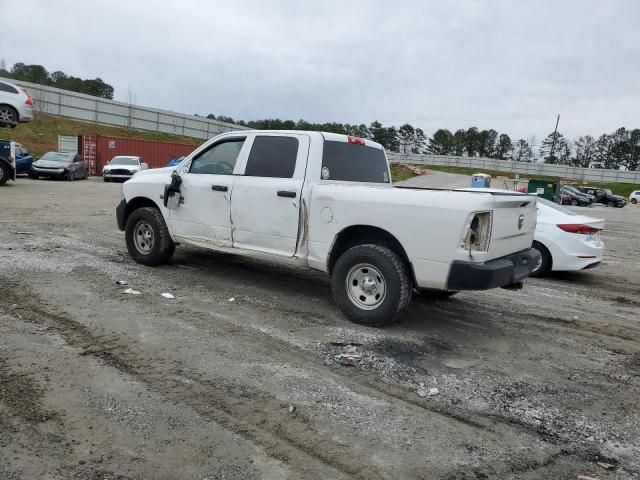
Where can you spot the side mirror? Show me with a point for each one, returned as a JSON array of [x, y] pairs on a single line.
[[172, 195]]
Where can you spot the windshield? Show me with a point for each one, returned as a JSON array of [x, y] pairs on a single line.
[[555, 206], [57, 157], [570, 189], [608, 192], [124, 161]]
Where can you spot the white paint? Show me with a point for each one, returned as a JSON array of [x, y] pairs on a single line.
[[250, 219]]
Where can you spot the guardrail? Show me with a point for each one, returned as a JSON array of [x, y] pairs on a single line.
[[64, 103], [586, 175]]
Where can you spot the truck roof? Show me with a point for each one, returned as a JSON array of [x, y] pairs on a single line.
[[333, 137]]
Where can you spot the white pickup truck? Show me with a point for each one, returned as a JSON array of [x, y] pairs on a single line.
[[326, 201]]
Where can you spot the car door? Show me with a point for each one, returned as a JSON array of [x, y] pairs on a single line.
[[265, 204], [204, 211]]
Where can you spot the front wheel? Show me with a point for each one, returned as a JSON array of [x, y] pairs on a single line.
[[544, 264], [634, 201], [147, 237], [5, 172], [371, 285], [574, 202], [610, 204], [71, 176]]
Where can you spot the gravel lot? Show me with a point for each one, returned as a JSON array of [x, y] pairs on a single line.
[[236, 377]]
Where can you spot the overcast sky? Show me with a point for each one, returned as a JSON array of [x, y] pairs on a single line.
[[507, 65]]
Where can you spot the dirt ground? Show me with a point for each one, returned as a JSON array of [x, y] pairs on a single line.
[[236, 378]]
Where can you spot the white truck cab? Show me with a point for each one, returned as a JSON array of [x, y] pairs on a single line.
[[326, 201]]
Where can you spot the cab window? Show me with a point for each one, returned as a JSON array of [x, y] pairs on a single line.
[[219, 159]]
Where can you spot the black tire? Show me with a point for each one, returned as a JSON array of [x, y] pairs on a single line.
[[547, 261], [634, 201], [395, 278], [105, 179], [610, 204], [33, 176], [160, 247], [5, 172], [430, 294], [574, 202], [10, 115], [71, 176]]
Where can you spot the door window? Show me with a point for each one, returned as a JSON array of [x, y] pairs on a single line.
[[272, 157], [220, 159]]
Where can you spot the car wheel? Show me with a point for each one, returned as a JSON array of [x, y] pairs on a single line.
[[544, 264], [71, 176], [634, 201], [574, 202], [147, 237], [33, 176], [371, 285], [5, 172], [610, 204], [8, 115], [436, 294]]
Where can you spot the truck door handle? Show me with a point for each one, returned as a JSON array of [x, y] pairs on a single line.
[[286, 193], [219, 188]]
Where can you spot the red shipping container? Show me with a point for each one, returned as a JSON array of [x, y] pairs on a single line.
[[154, 154]]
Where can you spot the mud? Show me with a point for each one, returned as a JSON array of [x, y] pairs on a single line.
[[97, 384]]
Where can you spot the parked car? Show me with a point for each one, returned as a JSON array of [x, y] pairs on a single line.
[[122, 168], [604, 195], [572, 196], [326, 201], [7, 161], [65, 166], [24, 160], [566, 240], [175, 162], [16, 105], [635, 197]]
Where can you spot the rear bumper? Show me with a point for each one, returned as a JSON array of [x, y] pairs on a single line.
[[500, 272], [121, 210]]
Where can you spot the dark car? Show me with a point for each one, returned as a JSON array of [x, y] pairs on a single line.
[[572, 196], [66, 166], [604, 195], [24, 160]]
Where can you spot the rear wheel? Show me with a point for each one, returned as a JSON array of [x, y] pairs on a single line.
[[147, 237], [574, 202], [634, 201], [610, 204], [544, 264], [8, 115], [371, 285]]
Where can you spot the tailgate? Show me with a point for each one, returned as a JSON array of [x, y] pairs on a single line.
[[514, 224]]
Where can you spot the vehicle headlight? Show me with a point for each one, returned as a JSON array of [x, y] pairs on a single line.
[[477, 232]]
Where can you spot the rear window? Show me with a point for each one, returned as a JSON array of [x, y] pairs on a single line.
[[7, 88], [353, 163]]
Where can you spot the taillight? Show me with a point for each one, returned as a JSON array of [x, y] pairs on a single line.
[[355, 140], [578, 228], [29, 100]]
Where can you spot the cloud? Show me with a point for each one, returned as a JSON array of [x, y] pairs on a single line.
[[492, 64]]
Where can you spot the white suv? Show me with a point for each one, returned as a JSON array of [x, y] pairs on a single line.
[[634, 197], [16, 105]]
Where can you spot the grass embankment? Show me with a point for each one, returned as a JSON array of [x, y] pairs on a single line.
[[401, 172], [41, 135]]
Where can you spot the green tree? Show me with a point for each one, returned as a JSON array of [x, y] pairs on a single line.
[[504, 147], [552, 146], [584, 151], [441, 143]]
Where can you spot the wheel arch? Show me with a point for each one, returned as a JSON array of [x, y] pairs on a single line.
[[138, 202], [354, 235], [543, 246], [12, 108]]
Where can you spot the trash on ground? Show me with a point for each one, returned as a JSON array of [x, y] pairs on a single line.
[[122, 282], [167, 295], [292, 408], [232, 299], [131, 291], [23, 233], [433, 392], [348, 359], [422, 392], [584, 477], [606, 466]]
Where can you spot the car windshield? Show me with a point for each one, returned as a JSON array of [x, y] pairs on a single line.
[[124, 161], [570, 189], [555, 206], [607, 191], [57, 157]]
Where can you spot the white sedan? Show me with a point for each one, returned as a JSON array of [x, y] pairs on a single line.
[[566, 240]]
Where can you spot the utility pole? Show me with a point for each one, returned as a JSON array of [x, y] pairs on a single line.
[[555, 132]]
